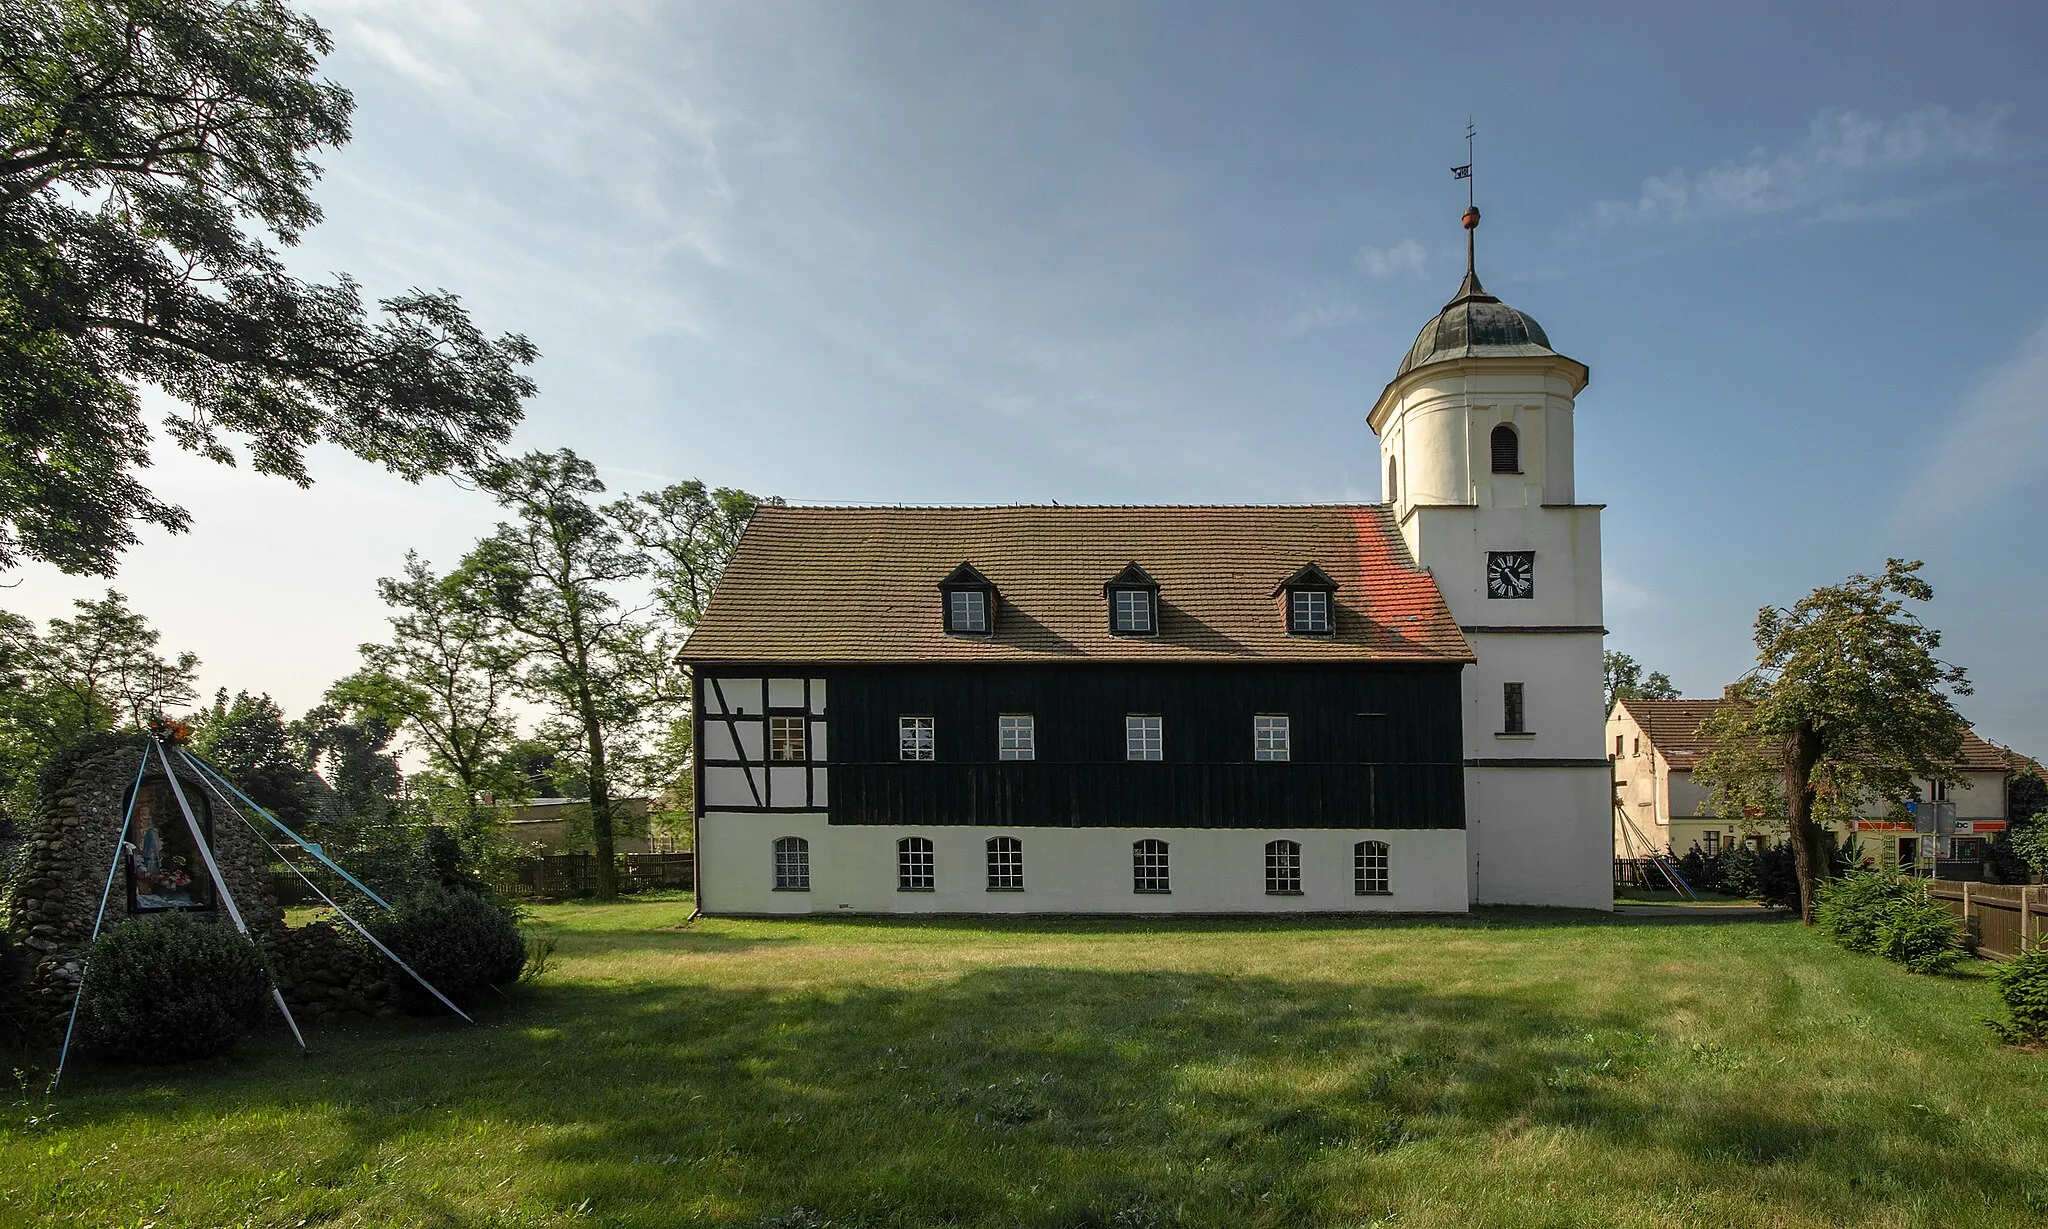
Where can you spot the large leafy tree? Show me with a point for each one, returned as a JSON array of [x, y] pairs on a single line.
[[1625, 680], [551, 575], [689, 533], [154, 155], [248, 739], [1848, 704], [444, 678]]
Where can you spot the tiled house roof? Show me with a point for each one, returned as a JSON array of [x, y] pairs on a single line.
[[861, 585], [1673, 727]]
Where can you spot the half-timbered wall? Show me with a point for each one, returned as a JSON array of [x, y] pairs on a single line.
[[741, 771]]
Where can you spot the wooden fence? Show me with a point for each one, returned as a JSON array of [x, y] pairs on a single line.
[[2004, 919], [575, 874]]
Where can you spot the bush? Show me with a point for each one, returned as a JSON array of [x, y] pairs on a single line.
[[1919, 932], [457, 940], [2023, 984], [1850, 908], [170, 989]]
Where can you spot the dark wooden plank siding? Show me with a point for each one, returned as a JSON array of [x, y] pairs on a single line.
[[1372, 746]]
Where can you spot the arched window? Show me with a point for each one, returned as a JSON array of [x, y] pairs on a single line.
[[1393, 481], [1148, 867], [792, 864], [914, 865], [1005, 864], [1507, 450], [1369, 868], [1283, 868], [166, 871]]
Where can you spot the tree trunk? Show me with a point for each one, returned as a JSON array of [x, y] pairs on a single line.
[[600, 803], [1802, 752]]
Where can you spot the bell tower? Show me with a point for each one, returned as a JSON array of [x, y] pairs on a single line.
[[1476, 432]]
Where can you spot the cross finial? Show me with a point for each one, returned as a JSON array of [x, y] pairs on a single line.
[[1471, 219]]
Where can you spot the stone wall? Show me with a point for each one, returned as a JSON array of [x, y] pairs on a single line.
[[328, 974], [54, 896]]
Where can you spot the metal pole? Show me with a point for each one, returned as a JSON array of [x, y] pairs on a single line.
[[85, 966]]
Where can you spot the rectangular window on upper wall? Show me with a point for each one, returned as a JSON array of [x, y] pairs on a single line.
[[1016, 737], [1712, 842], [1133, 610], [1937, 791], [967, 611], [915, 738], [1271, 737], [1512, 719], [1617, 746], [1308, 611], [1143, 738], [786, 738]]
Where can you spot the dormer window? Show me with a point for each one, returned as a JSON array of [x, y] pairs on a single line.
[[968, 602], [1311, 602], [1133, 598]]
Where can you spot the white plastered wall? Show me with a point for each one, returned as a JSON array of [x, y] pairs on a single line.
[[1540, 836], [1069, 870]]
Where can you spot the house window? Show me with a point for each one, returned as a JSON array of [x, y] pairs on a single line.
[[1638, 746], [1937, 791], [1308, 612], [1507, 450], [1270, 739], [1512, 720], [1713, 842], [1142, 738], [786, 738], [1005, 864], [914, 865], [1148, 867], [967, 611], [1369, 868], [914, 737], [792, 864], [1617, 746], [1283, 868], [1017, 737], [1132, 610]]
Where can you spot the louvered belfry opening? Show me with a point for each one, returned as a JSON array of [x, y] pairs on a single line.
[[1507, 450]]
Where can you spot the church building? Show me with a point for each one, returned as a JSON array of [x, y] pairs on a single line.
[[1183, 709]]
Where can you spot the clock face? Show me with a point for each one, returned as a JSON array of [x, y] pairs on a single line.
[[1511, 573]]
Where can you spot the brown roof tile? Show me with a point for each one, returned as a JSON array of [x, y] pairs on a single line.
[[861, 584], [1673, 727]]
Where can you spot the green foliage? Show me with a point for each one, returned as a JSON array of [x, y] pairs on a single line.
[[170, 989], [691, 532], [150, 151], [460, 941], [1849, 704], [247, 739], [1765, 875], [353, 748], [1852, 907], [1918, 932], [2028, 841], [2023, 983], [1624, 680]]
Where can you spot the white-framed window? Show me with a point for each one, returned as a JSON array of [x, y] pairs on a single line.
[[1937, 791], [1132, 610], [1713, 843], [786, 738], [1271, 737], [914, 870], [1143, 738], [1308, 610], [967, 610], [1283, 868], [1369, 868], [1005, 864], [1016, 737], [915, 738], [792, 864], [1149, 870]]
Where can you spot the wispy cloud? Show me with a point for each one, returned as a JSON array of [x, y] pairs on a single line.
[[1994, 443], [1406, 256], [1843, 156]]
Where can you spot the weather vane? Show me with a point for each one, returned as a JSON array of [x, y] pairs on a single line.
[[1471, 218], [1465, 172]]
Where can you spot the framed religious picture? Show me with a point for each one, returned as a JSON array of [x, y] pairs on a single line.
[[165, 868]]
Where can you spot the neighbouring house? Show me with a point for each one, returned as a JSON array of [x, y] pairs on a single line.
[[562, 825], [1654, 745], [1356, 707]]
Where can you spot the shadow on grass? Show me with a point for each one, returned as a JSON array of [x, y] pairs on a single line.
[[1048, 1097]]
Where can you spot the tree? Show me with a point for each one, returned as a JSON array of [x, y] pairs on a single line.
[[443, 679], [85, 675], [1847, 706], [548, 575], [1624, 680], [148, 149], [351, 746], [248, 740], [690, 533]]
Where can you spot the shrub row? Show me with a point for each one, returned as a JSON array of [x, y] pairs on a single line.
[[1880, 912]]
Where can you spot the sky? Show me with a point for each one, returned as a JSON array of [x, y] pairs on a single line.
[[1170, 252]]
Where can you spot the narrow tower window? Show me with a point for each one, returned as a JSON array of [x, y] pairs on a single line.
[[1393, 481], [1512, 720], [1507, 450]]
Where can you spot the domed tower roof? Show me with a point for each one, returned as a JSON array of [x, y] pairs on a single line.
[[1473, 325]]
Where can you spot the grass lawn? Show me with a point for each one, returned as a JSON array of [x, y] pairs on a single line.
[[1511, 1069]]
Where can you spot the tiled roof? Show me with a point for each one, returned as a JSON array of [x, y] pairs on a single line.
[[861, 584], [1673, 727]]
